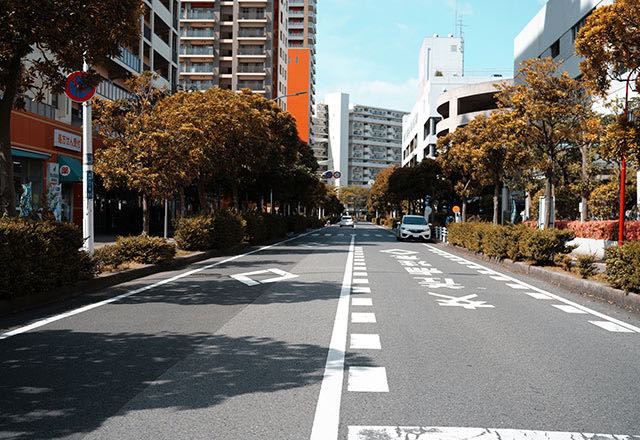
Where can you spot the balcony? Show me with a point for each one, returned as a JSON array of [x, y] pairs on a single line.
[[197, 33], [196, 85], [40, 108], [108, 90], [252, 16], [253, 85], [252, 50], [197, 50], [196, 68], [252, 33], [251, 68], [129, 59], [199, 14]]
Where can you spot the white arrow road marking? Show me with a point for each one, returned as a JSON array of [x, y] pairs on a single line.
[[440, 433], [464, 301], [246, 277]]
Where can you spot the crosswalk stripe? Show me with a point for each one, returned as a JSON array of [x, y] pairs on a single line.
[[363, 318], [569, 309], [365, 342], [368, 380], [360, 289], [361, 302]]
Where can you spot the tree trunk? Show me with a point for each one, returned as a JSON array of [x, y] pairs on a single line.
[[7, 190], [496, 202], [145, 215], [202, 197], [584, 209], [464, 209], [183, 208], [548, 202], [236, 198]]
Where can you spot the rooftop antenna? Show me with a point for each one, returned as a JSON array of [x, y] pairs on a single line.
[[460, 28]]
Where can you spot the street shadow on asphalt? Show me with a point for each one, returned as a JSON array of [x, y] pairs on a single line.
[[58, 383]]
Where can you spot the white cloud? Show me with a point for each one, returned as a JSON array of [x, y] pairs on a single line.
[[378, 93]]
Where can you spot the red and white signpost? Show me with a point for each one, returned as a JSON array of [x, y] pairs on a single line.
[[78, 91]]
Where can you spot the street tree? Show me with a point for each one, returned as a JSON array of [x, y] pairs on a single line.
[[354, 196], [146, 143], [380, 198], [42, 41], [548, 109]]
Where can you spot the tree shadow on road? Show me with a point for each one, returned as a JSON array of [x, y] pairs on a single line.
[[59, 383]]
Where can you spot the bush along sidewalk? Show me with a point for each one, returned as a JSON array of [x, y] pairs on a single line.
[[139, 249], [549, 247]]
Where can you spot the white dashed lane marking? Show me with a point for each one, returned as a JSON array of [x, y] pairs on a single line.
[[609, 323], [368, 380], [360, 289], [361, 302], [363, 318], [360, 281], [360, 274]]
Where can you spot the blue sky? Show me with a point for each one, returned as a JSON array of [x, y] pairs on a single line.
[[369, 48]]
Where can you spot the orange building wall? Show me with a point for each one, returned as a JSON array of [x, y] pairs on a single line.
[[299, 76]]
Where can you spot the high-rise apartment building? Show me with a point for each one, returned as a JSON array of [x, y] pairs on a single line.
[[362, 140], [441, 68], [234, 44], [302, 63], [320, 136]]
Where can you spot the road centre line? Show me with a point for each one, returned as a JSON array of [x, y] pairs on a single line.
[[552, 295], [327, 415], [88, 307]]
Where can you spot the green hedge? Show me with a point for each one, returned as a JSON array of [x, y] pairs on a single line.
[[195, 233], [296, 223], [623, 266], [136, 249], [514, 242], [228, 229], [39, 256], [262, 228]]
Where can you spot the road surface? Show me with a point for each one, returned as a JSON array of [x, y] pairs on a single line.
[[337, 334]]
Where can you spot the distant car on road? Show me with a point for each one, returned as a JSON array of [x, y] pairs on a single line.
[[413, 227], [347, 220]]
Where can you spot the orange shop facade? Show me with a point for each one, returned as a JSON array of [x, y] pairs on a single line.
[[47, 154]]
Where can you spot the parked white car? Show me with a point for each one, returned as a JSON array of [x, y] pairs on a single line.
[[347, 220], [413, 227]]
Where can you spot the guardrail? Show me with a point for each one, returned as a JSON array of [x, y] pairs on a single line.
[[441, 233]]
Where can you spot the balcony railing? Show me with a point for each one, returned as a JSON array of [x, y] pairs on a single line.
[[251, 50], [197, 67], [197, 50], [109, 90], [248, 32], [129, 58], [197, 33], [254, 85], [196, 85], [252, 16], [198, 14], [40, 108], [250, 68]]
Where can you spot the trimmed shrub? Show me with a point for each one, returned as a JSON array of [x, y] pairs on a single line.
[[515, 248], [38, 256], [541, 247], [597, 229], [296, 223], [564, 261], [496, 242], [107, 258], [228, 229], [256, 230], [195, 233], [276, 225], [145, 250], [314, 222], [586, 266], [623, 266]]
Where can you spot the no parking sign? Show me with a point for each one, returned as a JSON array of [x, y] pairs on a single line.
[[77, 89]]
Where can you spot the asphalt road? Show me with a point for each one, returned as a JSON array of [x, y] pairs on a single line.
[[340, 333]]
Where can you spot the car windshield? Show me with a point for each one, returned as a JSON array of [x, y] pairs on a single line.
[[346, 218], [414, 221]]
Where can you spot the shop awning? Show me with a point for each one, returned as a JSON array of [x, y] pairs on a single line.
[[75, 169], [19, 152]]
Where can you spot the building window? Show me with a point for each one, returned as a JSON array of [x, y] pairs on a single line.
[[555, 49]]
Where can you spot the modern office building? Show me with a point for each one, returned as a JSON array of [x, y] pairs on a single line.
[[46, 136], [457, 107], [239, 44], [302, 63], [441, 68], [362, 140]]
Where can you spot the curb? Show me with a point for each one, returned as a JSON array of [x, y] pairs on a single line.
[[587, 288], [29, 302]]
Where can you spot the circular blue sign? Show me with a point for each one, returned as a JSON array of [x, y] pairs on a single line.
[[76, 88]]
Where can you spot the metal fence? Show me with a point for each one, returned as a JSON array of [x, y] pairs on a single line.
[[441, 233]]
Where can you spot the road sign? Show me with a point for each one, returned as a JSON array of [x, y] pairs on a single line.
[[456, 209], [327, 174], [77, 90], [337, 174]]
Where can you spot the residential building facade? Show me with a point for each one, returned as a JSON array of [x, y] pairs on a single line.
[[234, 44], [320, 136], [441, 68], [362, 140], [302, 63]]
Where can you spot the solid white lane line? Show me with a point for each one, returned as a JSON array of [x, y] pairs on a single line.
[[365, 342], [360, 289], [610, 326], [368, 380], [569, 309], [363, 318], [517, 286], [361, 302], [360, 281], [451, 433], [88, 307], [566, 301], [486, 272], [327, 416]]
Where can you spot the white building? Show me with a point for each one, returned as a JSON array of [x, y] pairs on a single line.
[[359, 141]]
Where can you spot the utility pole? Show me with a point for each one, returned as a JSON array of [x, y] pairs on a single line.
[[87, 172]]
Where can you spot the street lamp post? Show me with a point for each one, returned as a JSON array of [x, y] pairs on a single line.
[[277, 98]]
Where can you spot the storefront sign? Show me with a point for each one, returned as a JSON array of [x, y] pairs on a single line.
[[66, 140], [65, 170], [89, 185], [53, 173]]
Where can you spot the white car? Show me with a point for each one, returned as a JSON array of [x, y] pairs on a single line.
[[347, 220], [413, 227]]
